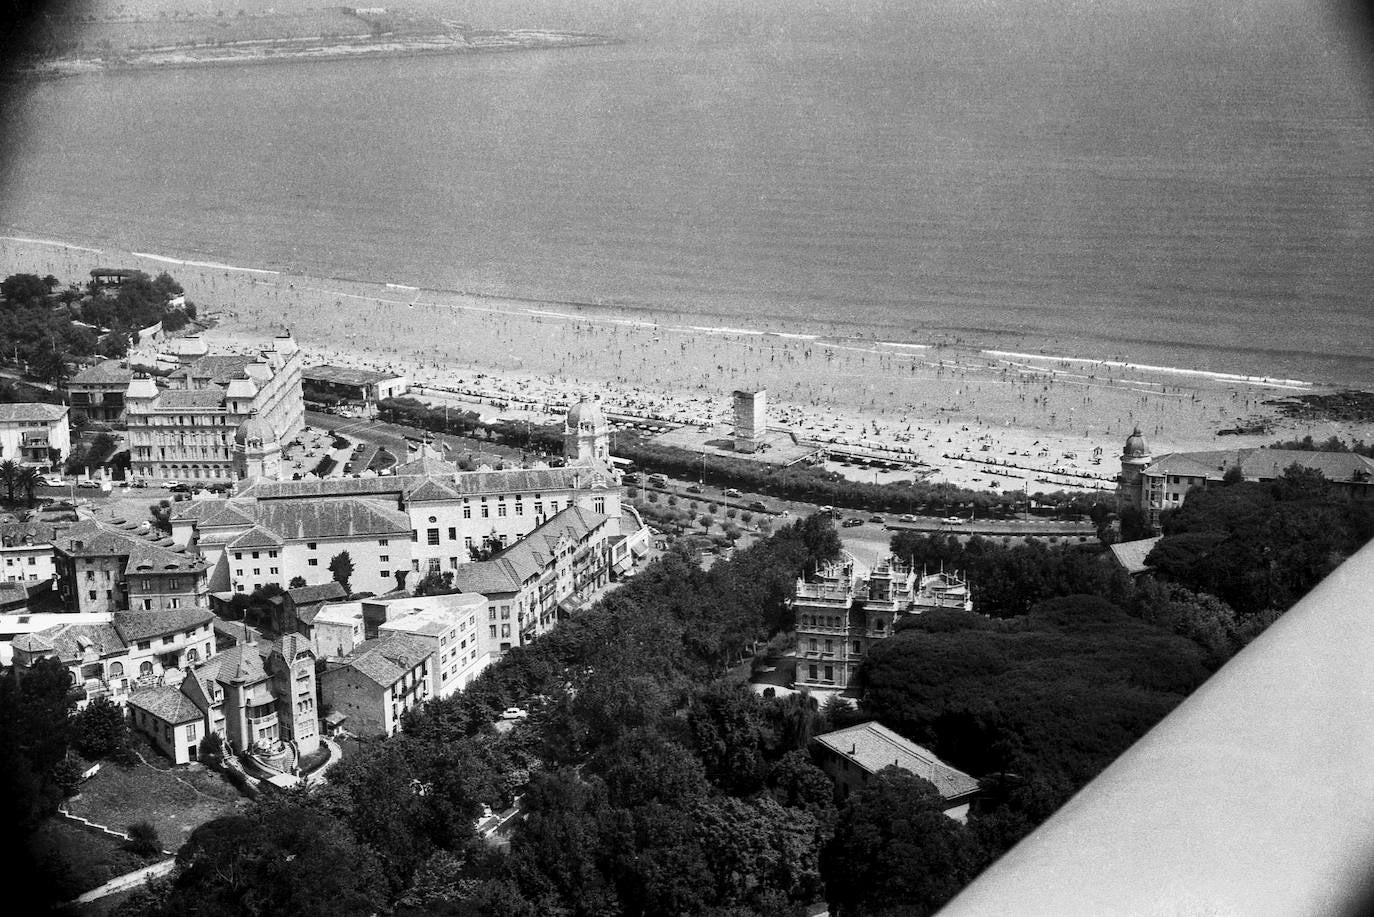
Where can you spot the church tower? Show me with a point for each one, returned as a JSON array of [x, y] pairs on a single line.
[[586, 434], [1135, 458]]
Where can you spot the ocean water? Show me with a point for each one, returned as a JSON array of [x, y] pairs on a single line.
[[1165, 184]]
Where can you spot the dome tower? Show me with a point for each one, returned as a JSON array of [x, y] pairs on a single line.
[[257, 454], [586, 434], [1135, 458]]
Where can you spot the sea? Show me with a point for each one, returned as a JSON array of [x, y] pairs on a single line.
[[1172, 183]]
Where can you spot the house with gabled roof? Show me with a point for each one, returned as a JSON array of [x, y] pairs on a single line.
[[104, 567], [854, 756], [371, 689], [34, 433]]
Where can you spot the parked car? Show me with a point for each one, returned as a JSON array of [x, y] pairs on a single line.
[[955, 520], [658, 480], [694, 488], [514, 713], [54, 480], [759, 506], [877, 519], [907, 517], [177, 487], [94, 485], [733, 493], [852, 521], [630, 478]]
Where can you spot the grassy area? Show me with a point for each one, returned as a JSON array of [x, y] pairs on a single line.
[[82, 859], [176, 801]]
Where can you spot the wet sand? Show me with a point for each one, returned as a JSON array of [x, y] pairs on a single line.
[[1034, 411]]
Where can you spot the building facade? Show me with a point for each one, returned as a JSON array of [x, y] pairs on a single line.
[[26, 552], [840, 614], [100, 567], [454, 627], [97, 392], [373, 687], [133, 651], [186, 430], [34, 433]]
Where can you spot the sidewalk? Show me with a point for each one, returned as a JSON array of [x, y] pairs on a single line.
[[335, 753]]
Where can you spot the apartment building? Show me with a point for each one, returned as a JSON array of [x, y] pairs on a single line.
[[854, 756], [372, 688], [26, 552], [97, 392], [34, 433], [453, 626]]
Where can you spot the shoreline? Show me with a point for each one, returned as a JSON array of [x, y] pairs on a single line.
[[975, 414], [186, 58]]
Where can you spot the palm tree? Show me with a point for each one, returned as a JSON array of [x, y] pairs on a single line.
[[28, 478], [9, 476]]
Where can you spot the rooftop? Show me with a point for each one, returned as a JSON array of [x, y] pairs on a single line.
[[873, 747], [1131, 554], [345, 375], [29, 411], [108, 372], [142, 625], [167, 704], [386, 660]]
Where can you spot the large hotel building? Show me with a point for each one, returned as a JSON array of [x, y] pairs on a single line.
[[189, 430]]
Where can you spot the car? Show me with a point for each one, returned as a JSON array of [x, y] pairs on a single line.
[[94, 485], [759, 506], [629, 478], [852, 521], [514, 713], [694, 488], [176, 487], [53, 480], [733, 493], [658, 480], [876, 519], [827, 510], [907, 517], [954, 520]]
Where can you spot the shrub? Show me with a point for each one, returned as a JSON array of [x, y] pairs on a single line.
[[143, 839]]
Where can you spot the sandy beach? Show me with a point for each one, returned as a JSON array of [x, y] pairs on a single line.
[[981, 418]]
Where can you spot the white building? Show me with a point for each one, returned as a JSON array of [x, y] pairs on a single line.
[[26, 552], [188, 430], [751, 419], [31, 432], [454, 627]]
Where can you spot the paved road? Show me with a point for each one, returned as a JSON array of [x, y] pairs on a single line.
[[128, 880]]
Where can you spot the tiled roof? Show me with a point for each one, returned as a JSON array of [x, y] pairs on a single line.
[[241, 664], [386, 660], [218, 368], [189, 398], [1334, 466], [290, 646], [873, 747], [256, 537], [323, 592], [488, 577], [30, 411], [15, 534], [464, 483], [34, 643], [166, 703], [332, 518], [1209, 465], [109, 372], [1131, 554], [73, 641], [145, 557], [142, 625], [432, 490]]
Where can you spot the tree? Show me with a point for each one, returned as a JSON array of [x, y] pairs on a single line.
[[297, 582], [99, 730], [23, 290], [28, 479], [341, 569], [283, 857], [9, 476], [161, 512], [894, 847], [435, 583], [143, 839]]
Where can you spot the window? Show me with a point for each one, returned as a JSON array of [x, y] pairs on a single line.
[[505, 630], [238, 555], [467, 511], [384, 573], [486, 511], [467, 542], [501, 508], [811, 672], [432, 536], [145, 669], [255, 555], [312, 562], [175, 603], [858, 647], [272, 570], [384, 558], [193, 655], [491, 614], [599, 505], [453, 563], [271, 554], [519, 508], [190, 732], [145, 644], [257, 571], [147, 604], [433, 518], [493, 631], [538, 508], [813, 644], [116, 670], [505, 612], [434, 565], [383, 542], [309, 544]]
